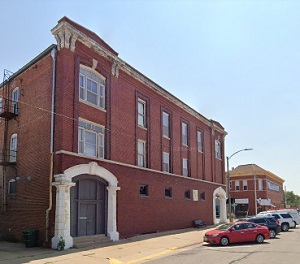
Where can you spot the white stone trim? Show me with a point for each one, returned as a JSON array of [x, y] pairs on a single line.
[[63, 183], [220, 194]]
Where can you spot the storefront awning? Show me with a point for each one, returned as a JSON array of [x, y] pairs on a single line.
[[265, 202]]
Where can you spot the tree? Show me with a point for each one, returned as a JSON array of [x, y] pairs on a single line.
[[292, 199]]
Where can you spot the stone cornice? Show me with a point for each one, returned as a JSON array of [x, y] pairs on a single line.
[[66, 36]]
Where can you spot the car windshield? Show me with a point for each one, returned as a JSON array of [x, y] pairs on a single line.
[[224, 227]]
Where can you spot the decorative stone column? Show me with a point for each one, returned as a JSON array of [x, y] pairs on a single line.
[[223, 217], [62, 211], [111, 214]]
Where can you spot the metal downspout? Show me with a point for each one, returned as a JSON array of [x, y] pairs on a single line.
[[53, 55]]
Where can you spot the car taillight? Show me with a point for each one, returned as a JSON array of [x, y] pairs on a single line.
[[277, 222]]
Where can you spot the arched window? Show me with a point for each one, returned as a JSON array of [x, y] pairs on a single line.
[[13, 148], [91, 87], [15, 101]]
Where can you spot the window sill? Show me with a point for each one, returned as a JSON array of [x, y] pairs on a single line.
[[143, 127], [92, 105]]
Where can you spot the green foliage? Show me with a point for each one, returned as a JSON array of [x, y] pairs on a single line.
[[292, 199]]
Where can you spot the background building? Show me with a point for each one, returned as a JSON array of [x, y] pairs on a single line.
[[124, 155], [249, 197]]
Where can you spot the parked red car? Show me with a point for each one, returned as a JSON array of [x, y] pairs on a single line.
[[237, 232]]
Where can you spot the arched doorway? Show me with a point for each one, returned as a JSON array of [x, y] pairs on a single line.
[[219, 200], [92, 180], [88, 206]]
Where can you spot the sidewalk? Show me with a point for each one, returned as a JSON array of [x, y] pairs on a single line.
[[134, 250]]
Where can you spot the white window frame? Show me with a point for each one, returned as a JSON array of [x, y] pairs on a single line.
[[185, 167], [237, 185], [245, 185], [85, 127], [15, 100], [141, 150], [166, 125], [184, 133], [96, 78], [141, 109], [260, 184], [218, 149], [200, 141], [166, 162], [13, 148]]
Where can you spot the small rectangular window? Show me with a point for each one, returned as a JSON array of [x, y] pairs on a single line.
[[245, 185], [165, 127], [187, 194], [141, 113], [199, 141], [12, 187], [202, 196], [237, 185], [260, 184], [141, 153], [230, 185], [184, 132], [144, 190], [166, 162], [217, 149], [168, 192], [185, 170]]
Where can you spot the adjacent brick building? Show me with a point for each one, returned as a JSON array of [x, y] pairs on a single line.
[[124, 155], [250, 198]]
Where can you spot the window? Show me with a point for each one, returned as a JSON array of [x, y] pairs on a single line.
[[199, 141], [15, 100], [217, 149], [12, 187], [141, 153], [187, 194], [245, 185], [168, 192], [202, 196], [141, 113], [230, 185], [166, 162], [260, 184], [91, 87], [165, 121], [13, 148], [1, 106], [184, 131], [144, 190], [237, 185], [91, 139], [185, 171]]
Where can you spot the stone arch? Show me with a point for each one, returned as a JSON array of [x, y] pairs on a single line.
[[63, 183], [220, 194]]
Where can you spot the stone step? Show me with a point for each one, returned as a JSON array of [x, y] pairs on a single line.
[[91, 241]]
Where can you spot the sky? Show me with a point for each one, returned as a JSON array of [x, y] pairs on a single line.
[[237, 62]]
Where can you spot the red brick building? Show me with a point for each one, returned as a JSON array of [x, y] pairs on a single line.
[[251, 198], [91, 146]]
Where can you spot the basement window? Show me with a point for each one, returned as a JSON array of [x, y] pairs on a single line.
[[144, 190]]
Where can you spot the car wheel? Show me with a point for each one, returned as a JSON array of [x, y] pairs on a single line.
[[285, 227], [224, 241], [259, 239], [272, 233]]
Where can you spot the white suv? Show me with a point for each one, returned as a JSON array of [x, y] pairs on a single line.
[[294, 214], [285, 220]]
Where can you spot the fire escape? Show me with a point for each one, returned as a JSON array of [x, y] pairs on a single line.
[[8, 111]]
